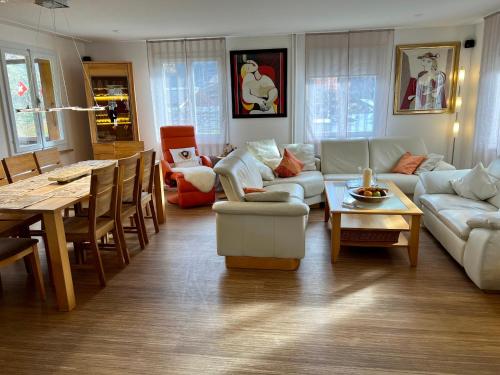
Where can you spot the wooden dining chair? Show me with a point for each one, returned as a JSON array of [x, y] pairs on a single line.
[[128, 197], [20, 167], [3, 176], [85, 231], [147, 187], [47, 160], [14, 249]]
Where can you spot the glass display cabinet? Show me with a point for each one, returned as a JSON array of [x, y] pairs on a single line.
[[111, 84]]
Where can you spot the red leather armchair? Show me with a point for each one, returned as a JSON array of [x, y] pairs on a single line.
[[181, 136]]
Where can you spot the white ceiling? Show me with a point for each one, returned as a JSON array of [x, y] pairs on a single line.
[[156, 19]]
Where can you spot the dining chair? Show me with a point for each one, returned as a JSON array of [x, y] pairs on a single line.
[[20, 167], [47, 160], [85, 231], [128, 197], [3, 176], [147, 187], [14, 249]]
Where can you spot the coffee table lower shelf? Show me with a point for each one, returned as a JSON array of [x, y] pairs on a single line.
[[402, 242]]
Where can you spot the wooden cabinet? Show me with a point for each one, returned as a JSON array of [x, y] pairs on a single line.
[[111, 84]]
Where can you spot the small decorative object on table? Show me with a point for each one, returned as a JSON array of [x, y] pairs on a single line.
[[228, 148], [371, 194]]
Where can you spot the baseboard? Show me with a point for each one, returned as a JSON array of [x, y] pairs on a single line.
[[285, 264]]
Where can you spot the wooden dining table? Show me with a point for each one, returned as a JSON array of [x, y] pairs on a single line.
[[40, 195]]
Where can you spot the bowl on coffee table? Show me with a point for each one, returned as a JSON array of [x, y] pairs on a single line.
[[372, 194]]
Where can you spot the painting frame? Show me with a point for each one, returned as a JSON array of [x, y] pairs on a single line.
[[424, 51], [276, 60]]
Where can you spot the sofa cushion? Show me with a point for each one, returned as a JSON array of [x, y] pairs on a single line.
[[264, 149], [438, 202], [494, 171], [406, 182], [408, 163], [295, 190], [289, 166], [430, 163], [343, 156], [385, 152], [302, 151], [311, 181], [477, 184], [456, 221]]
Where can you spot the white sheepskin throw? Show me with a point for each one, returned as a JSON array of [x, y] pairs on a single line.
[[202, 178]]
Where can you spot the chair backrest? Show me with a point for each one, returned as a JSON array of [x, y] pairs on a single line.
[[20, 167], [47, 160], [148, 169], [103, 194], [130, 179], [3, 176], [178, 136]]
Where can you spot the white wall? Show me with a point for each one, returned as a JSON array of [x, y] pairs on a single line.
[[435, 129], [76, 123]]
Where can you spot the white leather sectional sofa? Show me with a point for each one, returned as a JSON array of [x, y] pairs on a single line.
[[476, 247], [340, 159]]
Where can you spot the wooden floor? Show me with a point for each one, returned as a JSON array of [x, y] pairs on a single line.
[[176, 310]]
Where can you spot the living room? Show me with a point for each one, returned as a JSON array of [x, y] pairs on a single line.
[[277, 187]]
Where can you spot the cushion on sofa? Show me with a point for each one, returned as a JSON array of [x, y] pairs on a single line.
[[266, 150], [385, 152], [456, 220], [439, 202], [408, 163], [494, 171], [265, 171], [302, 151], [477, 184], [438, 182], [294, 190], [430, 163], [289, 166], [311, 181], [343, 156]]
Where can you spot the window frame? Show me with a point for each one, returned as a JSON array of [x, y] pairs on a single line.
[[31, 54]]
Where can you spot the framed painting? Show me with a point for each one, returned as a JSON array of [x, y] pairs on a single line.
[[426, 78], [258, 83]]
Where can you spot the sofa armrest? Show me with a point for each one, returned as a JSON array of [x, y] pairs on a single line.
[[482, 258], [438, 182], [262, 208]]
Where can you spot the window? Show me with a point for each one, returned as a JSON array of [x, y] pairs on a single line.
[[188, 87], [347, 84], [29, 80]]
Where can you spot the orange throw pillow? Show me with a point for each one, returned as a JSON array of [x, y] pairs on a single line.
[[290, 166], [249, 190], [408, 163]]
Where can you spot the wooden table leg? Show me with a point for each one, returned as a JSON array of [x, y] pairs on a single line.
[[327, 210], [414, 239], [159, 194], [336, 219], [61, 270]]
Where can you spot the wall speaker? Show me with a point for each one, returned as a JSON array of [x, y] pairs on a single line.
[[470, 43]]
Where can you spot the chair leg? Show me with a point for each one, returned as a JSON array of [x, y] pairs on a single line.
[[47, 255], [139, 231], [37, 272], [27, 266], [121, 236], [123, 257], [98, 262], [153, 215], [142, 223]]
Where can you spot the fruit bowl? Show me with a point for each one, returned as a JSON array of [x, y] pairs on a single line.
[[373, 194]]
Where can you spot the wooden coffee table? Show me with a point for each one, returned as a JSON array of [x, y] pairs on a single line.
[[387, 216]]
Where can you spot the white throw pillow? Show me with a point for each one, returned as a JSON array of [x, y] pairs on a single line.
[[268, 196], [264, 149], [444, 166], [265, 172], [477, 184], [185, 157], [494, 171], [430, 163], [302, 151]]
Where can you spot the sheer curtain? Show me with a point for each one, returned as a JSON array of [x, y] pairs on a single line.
[[487, 133], [188, 84], [347, 83]]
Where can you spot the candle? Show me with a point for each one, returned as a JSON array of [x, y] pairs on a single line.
[[367, 177]]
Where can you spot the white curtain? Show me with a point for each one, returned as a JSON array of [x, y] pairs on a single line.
[[188, 84], [347, 83], [487, 133]]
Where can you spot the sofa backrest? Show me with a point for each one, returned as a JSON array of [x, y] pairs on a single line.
[[343, 155], [385, 152], [494, 171], [237, 171]]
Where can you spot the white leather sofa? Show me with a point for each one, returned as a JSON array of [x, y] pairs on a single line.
[[269, 235], [477, 248], [340, 159]]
